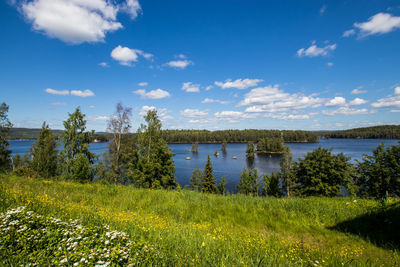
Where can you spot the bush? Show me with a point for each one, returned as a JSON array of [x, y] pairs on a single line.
[[25, 171]]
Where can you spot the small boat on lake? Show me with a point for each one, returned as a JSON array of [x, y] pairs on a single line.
[[187, 158], [234, 157]]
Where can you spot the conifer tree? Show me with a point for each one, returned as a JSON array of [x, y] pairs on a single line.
[[195, 147], [209, 184], [5, 125], [248, 183], [44, 153], [75, 159], [286, 173], [221, 186], [196, 181], [271, 185], [250, 150], [223, 147]]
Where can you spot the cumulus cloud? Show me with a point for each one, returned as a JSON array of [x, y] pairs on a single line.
[[143, 84], [98, 118], [337, 101], [389, 101], [329, 64], [347, 111], [358, 101], [131, 7], [315, 51], [191, 87], [380, 23], [358, 91], [153, 94], [272, 99], [240, 84], [208, 88], [194, 113], [58, 104], [349, 33], [210, 100], [179, 64], [161, 112], [56, 92], [125, 55], [103, 64], [72, 21], [80, 93]]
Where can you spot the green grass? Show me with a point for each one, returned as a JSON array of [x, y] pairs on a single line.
[[189, 228]]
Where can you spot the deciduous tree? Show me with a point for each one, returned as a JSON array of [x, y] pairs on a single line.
[[5, 126]]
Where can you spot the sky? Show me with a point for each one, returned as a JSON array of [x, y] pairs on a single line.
[[218, 64]]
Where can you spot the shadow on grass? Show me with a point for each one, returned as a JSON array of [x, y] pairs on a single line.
[[381, 227]]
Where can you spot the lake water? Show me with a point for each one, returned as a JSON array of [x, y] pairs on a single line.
[[225, 165]]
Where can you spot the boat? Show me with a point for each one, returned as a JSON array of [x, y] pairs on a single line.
[[216, 153], [187, 158], [234, 157]]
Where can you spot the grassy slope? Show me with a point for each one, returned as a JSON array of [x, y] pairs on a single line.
[[193, 228]]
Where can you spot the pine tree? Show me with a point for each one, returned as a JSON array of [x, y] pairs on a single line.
[[271, 185], [250, 150], [152, 161], [75, 155], [195, 147], [44, 153], [196, 181], [5, 125], [248, 183], [286, 173], [223, 147], [221, 186], [209, 184], [16, 161]]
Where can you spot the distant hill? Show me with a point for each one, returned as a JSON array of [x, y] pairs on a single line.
[[33, 133], [375, 132]]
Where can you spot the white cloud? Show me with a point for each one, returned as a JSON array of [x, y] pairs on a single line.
[[153, 94], [161, 112], [92, 106], [58, 104], [210, 100], [208, 88], [358, 91], [80, 93], [103, 64], [181, 56], [56, 92], [272, 99], [190, 87], [194, 113], [329, 64], [98, 118], [125, 55], [72, 21], [337, 101], [395, 110], [315, 51], [131, 7], [387, 102], [378, 24], [240, 84], [143, 83], [347, 111], [349, 33], [180, 64], [397, 90], [322, 10], [358, 101]]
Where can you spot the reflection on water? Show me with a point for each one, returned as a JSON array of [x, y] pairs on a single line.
[[226, 165]]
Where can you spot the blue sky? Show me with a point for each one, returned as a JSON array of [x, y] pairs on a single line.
[[311, 65]]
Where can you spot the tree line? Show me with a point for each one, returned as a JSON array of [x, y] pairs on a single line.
[[375, 132], [144, 160]]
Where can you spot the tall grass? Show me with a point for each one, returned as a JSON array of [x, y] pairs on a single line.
[[189, 228]]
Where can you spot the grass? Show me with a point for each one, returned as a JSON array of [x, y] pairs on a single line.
[[189, 228]]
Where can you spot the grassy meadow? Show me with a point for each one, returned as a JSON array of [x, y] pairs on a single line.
[[126, 225]]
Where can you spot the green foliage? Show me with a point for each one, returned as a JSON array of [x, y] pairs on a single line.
[[17, 161], [250, 150], [271, 145], [271, 185], [44, 153], [248, 184], [5, 125], [195, 147], [76, 147], [209, 184], [196, 181], [152, 160], [322, 173], [375, 132], [286, 173], [221, 186], [235, 136], [223, 146], [25, 171], [380, 173]]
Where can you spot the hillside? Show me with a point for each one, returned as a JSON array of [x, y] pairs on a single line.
[[176, 228], [375, 132]]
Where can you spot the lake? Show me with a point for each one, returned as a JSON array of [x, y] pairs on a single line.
[[225, 165]]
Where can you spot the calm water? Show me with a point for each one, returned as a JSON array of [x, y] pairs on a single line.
[[224, 165]]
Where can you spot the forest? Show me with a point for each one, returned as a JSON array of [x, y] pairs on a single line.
[[375, 132]]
